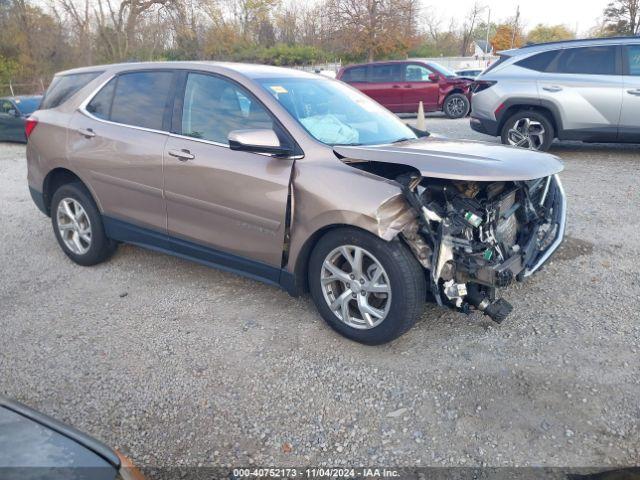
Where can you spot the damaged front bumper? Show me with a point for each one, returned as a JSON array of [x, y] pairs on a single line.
[[473, 240], [560, 207]]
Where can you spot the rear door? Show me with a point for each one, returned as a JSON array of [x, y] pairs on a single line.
[[585, 86], [116, 142], [417, 87], [630, 116], [11, 125], [223, 205]]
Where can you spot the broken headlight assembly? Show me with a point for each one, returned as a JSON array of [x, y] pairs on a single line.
[[475, 237]]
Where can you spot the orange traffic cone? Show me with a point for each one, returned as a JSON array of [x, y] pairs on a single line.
[[421, 122]]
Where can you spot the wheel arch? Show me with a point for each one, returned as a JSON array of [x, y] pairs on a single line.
[[545, 108], [55, 179]]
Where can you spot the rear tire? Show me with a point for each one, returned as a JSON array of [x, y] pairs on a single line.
[[386, 266], [77, 225], [528, 129], [456, 105]]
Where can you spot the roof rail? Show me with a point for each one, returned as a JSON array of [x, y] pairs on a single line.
[[576, 40]]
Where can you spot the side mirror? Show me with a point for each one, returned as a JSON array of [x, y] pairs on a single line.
[[257, 141], [13, 112], [434, 77]]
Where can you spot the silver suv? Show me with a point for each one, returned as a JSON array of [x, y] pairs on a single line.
[[586, 90]]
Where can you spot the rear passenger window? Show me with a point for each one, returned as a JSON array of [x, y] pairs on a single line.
[[140, 99], [539, 62], [213, 107], [386, 73], [64, 86], [587, 60], [355, 74], [633, 59]]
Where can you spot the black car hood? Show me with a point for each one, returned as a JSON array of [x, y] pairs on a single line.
[[458, 159]]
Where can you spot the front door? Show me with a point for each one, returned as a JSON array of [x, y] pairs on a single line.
[[224, 205], [418, 87], [116, 143], [629, 130], [11, 125]]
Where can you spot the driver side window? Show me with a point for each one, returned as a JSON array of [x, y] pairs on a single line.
[[416, 73], [214, 106], [7, 107]]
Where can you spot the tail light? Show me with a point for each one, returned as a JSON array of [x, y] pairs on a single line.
[[480, 85], [29, 125]]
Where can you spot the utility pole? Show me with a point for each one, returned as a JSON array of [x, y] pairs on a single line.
[[515, 26], [486, 51]]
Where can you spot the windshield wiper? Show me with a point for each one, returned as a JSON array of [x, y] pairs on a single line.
[[404, 139]]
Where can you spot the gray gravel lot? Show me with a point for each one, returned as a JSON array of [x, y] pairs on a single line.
[[178, 364]]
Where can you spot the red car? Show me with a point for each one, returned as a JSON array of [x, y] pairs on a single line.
[[402, 85]]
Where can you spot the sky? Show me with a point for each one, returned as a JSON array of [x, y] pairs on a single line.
[[583, 13]]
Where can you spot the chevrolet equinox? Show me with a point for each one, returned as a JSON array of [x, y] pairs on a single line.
[[293, 179]]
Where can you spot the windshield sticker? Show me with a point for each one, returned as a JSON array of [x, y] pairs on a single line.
[[278, 89]]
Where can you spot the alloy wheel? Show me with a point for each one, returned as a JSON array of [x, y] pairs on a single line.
[[456, 107], [74, 226], [526, 133], [356, 287]]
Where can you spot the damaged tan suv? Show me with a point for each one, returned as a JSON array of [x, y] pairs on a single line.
[[293, 179]]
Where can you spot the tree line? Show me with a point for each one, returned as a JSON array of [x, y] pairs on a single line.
[[38, 40]]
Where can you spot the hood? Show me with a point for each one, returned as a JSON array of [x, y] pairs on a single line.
[[460, 80], [458, 159]]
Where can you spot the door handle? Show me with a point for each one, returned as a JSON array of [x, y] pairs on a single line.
[[408, 86], [182, 155], [87, 132], [395, 86], [552, 88], [635, 91]]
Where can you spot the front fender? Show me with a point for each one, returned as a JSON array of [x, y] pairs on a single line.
[[329, 194]]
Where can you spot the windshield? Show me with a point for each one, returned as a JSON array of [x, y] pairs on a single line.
[[336, 114], [442, 70], [28, 105]]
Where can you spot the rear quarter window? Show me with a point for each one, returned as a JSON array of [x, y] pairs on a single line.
[[64, 86], [539, 62]]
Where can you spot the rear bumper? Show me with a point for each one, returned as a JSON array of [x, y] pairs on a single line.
[[483, 125]]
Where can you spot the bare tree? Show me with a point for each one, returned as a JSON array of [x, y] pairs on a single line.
[[78, 15], [623, 17], [469, 26], [373, 26], [117, 24]]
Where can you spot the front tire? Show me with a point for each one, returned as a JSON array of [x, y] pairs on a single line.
[[528, 129], [368, 290], [77, 225], [456, 105]]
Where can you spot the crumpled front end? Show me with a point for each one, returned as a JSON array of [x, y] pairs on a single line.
[[476, 237]]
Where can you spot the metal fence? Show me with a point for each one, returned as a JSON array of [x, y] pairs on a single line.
[[28, 88], [464, 63], [452, 63]]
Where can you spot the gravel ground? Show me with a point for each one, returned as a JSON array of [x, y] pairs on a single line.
[[177, 364]]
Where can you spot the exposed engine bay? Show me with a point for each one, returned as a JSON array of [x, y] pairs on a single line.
[[475, 237]]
